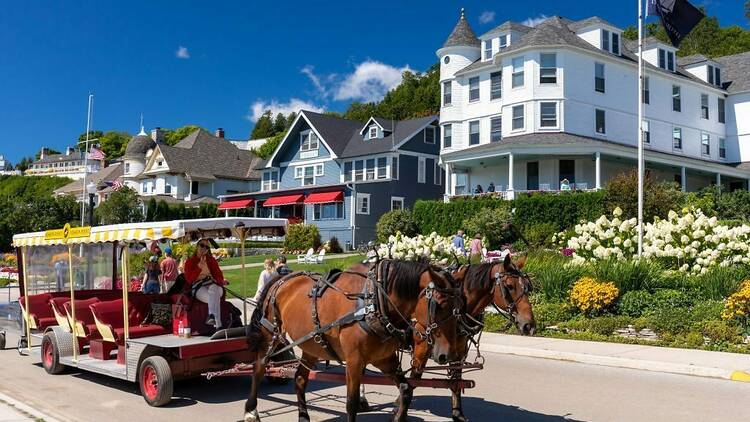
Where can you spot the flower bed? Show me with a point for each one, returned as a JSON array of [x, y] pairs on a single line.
[[433, 247]]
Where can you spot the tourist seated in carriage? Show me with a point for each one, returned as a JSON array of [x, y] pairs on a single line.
[[206, 281]]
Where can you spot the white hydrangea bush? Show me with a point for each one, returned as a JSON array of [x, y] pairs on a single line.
[[691, 242], [433, 247]]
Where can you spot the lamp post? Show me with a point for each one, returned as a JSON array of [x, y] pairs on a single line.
[[91, 190]]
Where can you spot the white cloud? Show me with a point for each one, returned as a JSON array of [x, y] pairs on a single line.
[[534, 21], [293, 105], [369, 82], [182, 53], [315, 79], [486, 17]]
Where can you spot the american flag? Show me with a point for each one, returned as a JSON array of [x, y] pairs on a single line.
[[115, 184], [96, 154]]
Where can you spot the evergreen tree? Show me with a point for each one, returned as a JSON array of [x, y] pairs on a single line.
[[150, 210], [171, 137], [280, 124], [264, 127], [162, 212]]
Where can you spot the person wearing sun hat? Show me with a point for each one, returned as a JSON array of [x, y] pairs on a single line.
[[206, 280]]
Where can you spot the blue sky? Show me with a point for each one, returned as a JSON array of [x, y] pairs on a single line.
[[218, 64]]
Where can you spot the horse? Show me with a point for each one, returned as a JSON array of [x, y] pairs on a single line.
[[501, 284], [363, 318]]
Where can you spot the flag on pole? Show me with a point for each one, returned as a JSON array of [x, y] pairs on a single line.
[[115, 184], [678, 17], [96, 154]]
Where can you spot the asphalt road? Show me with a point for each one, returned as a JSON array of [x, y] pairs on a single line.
[[508, 389]]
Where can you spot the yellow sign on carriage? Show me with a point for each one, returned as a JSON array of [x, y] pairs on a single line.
[[67, 233]]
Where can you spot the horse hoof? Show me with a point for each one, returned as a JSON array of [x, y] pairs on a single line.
[[252, 416], [458, 416], [364, 405]]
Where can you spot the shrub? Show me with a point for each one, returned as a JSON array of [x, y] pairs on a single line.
[[628, 275], [604, 325], [551, 275], [737, 306], [591, 296], [670, 320], [491, 223], [393, 222], [561, 210], [671, 299], [447, 218], [733, 205], [721, 332], [301, 237], [334, 246], [720, 282], [540, 235], [658, 197], [634, 303], [547, 314]]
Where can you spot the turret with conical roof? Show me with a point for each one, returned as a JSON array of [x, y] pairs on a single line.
[[461, 49], [134, 159]]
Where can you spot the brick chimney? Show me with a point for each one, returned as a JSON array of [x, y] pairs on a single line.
[[43, 153], [219, 133], [157, 135]]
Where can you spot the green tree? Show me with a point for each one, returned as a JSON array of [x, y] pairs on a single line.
[[396, 221], [50, 151], [23, 189], [24, 164], [266, 150], [162, 211], [151, 209], [122, 206], [173, 136], [264, 127], [35, 214], [280, 123], [492, 224]]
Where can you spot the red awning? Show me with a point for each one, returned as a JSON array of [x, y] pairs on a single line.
[[236, 204], [284, 200], [324, 197]]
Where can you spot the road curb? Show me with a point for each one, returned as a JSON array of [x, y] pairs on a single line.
[[25, 408], [620, 362]]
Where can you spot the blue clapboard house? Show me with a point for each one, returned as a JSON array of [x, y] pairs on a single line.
[[342, 175]]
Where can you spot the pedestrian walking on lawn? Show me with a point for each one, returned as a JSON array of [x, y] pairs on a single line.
[[475, 247], [268, 273], [458, 241]]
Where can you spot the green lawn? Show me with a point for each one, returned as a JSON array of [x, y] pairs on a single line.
[[250, 283], [253, 259]]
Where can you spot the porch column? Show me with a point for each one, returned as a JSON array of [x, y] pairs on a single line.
[[255, 210], [510, 194], [598, 181], [448, 182], [718, 180], [226, 213], [683, 178]]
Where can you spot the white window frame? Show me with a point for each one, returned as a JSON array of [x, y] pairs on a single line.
[[378, 168], [708, 107], [517, 72], [606, 40], [721, 110], [339, 207], [421, 170], [372, 132], [361, 197], [369, 170], [269, 185], [437, 173], [542, 69], [677, 96], [397, 166], [499, 118], [350, 173], [306, 141], [603, 77], [167, 189], [478, 132], [514, 118], [496, 94], [707, 138], [447, 99], [474, 89], [646, 128], [722, 146], [448, 134], [431, 129], [503, 40], [395, 199], [676, 129], [487, 49], [557, 115], [604, 125]]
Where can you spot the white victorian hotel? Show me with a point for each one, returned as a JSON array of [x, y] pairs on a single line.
[[525, 108]]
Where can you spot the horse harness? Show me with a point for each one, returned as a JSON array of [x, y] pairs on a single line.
[[371, 312]]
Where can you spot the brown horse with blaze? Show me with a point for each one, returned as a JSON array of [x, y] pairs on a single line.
[[392, 294], [501, 284]]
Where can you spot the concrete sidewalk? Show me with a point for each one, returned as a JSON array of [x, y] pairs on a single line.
[[12, 410], [730, 366]]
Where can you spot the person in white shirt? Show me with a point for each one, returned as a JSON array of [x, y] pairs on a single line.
[[269, 272]]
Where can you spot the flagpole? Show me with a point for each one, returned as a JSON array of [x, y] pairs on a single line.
[[640, 129], [85, 159]]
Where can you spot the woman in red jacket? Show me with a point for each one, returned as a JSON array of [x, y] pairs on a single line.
[[203, 274]]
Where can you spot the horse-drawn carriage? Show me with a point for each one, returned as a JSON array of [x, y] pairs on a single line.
[[78, 309], [81, 314]]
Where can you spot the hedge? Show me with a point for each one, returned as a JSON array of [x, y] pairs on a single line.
[[563, 210]]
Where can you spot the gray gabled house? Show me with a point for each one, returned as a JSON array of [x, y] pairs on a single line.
[[342, 175]]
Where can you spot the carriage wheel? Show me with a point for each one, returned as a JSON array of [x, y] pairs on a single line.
[[51, 355], [155, 379], [2, 340]]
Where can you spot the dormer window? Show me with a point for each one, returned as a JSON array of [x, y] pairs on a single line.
[[610, 42], [488, 49], [666, 59], [714, 75], [503, 41], [309, 141], [372, 132]]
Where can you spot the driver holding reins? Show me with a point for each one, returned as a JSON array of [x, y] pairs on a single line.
[[206, 281]]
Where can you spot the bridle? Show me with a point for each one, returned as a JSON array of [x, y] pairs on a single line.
[[455, 294]]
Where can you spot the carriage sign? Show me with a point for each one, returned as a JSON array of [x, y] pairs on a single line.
[[67, 233]]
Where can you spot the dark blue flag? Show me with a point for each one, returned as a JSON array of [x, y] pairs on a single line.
[[678, 17]]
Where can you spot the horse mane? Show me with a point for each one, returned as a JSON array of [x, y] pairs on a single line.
[[402, 277], [479, 276]]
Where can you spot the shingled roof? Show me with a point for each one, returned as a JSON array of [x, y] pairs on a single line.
[[505, 27], [107, 174], [203, 155], [462, 35], [736, 70]]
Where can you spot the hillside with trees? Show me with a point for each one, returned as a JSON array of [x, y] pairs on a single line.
[[707, 38]]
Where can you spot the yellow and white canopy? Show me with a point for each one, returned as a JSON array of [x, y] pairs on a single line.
[[139, 232]]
